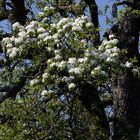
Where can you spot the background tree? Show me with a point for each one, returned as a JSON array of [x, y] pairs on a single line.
[[60, 81]]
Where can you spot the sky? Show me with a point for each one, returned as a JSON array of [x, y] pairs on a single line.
[[100, 3]]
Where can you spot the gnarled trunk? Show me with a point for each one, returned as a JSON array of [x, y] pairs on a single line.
[[126, 87], [126, 106]]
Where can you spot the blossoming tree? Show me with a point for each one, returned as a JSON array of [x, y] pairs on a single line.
[[59, 81]]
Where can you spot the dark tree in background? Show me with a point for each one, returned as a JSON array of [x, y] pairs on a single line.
[[125, 86]]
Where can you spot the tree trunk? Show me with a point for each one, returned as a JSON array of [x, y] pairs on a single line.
[[126, 107], [126, 87]]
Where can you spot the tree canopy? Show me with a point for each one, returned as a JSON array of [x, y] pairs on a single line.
[[59, 79]]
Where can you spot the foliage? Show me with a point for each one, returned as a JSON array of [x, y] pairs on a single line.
[[56, 55]]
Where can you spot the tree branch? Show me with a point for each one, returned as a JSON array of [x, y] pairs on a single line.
[[90, 99], [94, 17], [134, 5], [3, 12], [20, 13]]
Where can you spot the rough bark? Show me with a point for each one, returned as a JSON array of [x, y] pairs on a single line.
[[126, 87], [126, 106]]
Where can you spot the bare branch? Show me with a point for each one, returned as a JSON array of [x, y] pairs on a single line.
[[94, 17]]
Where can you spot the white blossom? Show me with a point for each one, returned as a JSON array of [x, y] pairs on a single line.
[[72, 60], [114, 41], [77, 28], [83, 60], [16, 25], [41, 30], [128, 64], [62, 64], [33, 82], [98, 68], [111, 36], [89, 25], [71, 86], [45, 75], [44, 93], [75, 70]]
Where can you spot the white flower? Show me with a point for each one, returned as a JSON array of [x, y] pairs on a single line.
[[48, 38], [41, 30], [66, 26], [108, 51], [71, 86], [89, 25], [112, 36], [9, 45], [98, 68], [114, 41], [29, 27], [75, 70], [19, 40], [12, 39], [77, 28], [108, 46], [6, 40], [47, 8], [45, 75], [109, 59], [16, 26], [52, 65], [66, 79], [30, 31], [82, 60], [100, 48], [128, 64], [14, 52], [33, 23], [135, 70], [63, 21], [60, 31], [84, 17], [115, 54], [62, 64], [105, 42], [33, 82], [57, 57], [40, 14], [44, 93], [72, 60], [57, 51], [55, 36], [43, 35], [22, 34], [83, 41]]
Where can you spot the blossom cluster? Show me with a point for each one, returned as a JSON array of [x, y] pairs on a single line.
[[68, 43]]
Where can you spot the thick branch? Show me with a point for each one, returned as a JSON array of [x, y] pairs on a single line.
[[3, 13], [94, 17], [133, 5], [20, 12], [91, 100]]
